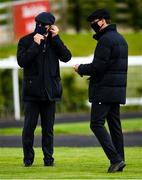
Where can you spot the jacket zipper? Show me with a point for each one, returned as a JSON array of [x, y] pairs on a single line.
[[44, 50]]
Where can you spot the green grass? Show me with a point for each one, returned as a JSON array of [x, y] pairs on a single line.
[[8, 50], [81, 128], [70, 163], [134, 41], [82, 44]]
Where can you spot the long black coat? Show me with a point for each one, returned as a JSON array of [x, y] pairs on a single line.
[[108, 70], [41, 67]]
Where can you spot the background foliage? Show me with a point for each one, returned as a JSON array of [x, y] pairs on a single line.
[[124, 12]]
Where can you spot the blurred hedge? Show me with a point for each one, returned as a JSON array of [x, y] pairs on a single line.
[[75, 94]]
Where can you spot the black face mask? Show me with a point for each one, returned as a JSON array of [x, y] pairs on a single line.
[[96, 27], [40, 29]]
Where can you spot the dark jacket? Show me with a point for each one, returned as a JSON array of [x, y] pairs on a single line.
[[108, 70], [41, 67]]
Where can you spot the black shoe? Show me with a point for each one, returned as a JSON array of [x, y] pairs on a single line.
[[116, 167], [121, 169], [49, 163], [28, 163]]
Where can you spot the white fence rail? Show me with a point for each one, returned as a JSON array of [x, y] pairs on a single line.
[[11, 63]]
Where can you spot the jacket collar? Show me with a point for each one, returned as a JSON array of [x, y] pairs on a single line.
[[111, 27]]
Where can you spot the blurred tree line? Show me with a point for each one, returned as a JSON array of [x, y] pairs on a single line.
[[125, 12]]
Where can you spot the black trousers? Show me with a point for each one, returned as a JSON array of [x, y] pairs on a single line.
[[112, 143], [46, 110]]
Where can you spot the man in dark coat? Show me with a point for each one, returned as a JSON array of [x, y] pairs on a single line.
[[39, 54], [107, 87]]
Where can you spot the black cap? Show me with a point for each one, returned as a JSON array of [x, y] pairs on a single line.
[[99, 14], [45, 18]]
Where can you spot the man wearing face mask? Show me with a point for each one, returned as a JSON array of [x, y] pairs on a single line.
[[107, 87], [39, 54]]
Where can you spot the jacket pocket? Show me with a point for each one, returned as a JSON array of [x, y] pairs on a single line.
[[56, 87], [31, 86]]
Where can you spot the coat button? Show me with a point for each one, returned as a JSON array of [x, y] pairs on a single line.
[[30, 81]]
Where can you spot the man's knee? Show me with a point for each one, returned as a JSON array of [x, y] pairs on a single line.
[[95, 127]]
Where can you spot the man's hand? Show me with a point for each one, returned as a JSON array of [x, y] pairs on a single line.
[[76, 67], [38, 38], [54, 30]]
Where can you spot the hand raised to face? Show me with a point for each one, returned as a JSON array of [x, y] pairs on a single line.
[[38, 38], [54, 30]]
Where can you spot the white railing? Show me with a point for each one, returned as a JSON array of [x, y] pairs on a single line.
[[11, 63]]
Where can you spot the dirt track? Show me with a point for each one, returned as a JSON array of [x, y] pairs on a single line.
[[130, 139]]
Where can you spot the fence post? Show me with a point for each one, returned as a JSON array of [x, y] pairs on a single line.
[[16, 93]]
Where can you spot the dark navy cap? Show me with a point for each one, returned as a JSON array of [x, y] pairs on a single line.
[[99, 14], [45, 18]]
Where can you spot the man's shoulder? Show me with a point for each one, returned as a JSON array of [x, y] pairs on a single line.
[[105, 39], [110, 34], [112, 37], [116, 38], [27, 37]]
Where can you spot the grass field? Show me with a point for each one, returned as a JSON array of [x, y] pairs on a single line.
[[81, 128], [82, 44], [70, 163]]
